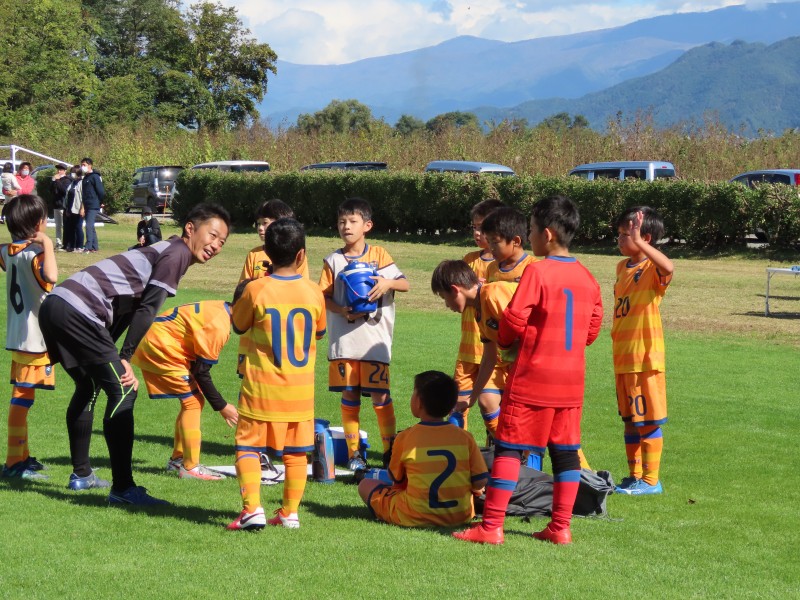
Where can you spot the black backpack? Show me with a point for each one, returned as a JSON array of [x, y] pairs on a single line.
[[533, 495]]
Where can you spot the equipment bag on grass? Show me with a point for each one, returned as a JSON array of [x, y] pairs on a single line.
[[533, 495]]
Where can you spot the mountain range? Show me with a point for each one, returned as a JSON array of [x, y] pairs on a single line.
[[674, 65]]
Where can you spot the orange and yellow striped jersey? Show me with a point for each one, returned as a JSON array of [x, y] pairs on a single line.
[[513, 273], [435, 465], [183, 335], [256, 265], [470, 349], [285, 316], [636, 332], [494, 298]]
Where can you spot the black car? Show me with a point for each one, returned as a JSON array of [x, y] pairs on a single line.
[[154, 187]]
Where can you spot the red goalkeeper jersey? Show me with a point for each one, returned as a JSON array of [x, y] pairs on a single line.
[[555, 313]]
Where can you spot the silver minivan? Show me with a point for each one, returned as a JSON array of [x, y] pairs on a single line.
[[466, 166], [644, 170]]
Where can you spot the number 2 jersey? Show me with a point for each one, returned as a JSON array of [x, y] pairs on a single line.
[[25, 291], [285, 316], [367, 339], [637, 337], [434, 465], [555, 313]]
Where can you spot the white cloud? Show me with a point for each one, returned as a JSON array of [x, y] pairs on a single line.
[[341, 31]]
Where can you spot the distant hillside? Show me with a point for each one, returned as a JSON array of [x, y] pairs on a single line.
[[749, 86], [467, 71]]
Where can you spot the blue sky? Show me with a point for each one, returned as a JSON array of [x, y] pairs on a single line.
[[343, 31]]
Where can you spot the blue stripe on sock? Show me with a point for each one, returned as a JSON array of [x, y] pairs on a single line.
[[387, 403], [490, 416], [21, 402], [351, 402], [502, 484], [657, 433], [567, 477], [249, 455]]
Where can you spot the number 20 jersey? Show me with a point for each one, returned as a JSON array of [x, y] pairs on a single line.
[[637, 337], [25, 292], [285, 316]]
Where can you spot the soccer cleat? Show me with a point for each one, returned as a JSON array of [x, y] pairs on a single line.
[[174, 464], [77, 483], [560, 537], [357, 462], [642, 488], [623, 486], [478, 534], [136, 495], [200, 472], [246, 521], [35, 465], [290, 521], [21, 470]]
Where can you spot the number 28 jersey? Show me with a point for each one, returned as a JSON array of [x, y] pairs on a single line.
[[285, 316]]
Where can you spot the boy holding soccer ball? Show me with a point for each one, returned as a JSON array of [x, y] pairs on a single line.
[[360, 345], [638, 346]]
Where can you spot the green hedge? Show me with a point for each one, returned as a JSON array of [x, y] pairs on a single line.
[[704, 214]]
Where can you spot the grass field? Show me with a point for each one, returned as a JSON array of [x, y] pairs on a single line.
[[727, 525]]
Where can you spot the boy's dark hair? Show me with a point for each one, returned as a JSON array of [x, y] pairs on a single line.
[[482, 209], [8, 168], [437, 392], [23, 214], [652, 222], [355, 206], [61, 167], [560, 215], [237, 293], [283, 239], [507, 223], [201, 213], [22, 165], [274, 209], [87, 160], [452, 272]]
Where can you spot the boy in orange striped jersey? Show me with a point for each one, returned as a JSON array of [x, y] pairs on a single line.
[[175, 357], [436, 466], [30, 263], [285, 315], [505, 231], [470, 348], [638, 346], [257, 264], [360, 345], [458, 285]]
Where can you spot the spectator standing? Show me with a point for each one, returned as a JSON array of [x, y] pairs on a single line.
[[27, 184], [11, 186], [73, 214], [93, 195], [59, 189]]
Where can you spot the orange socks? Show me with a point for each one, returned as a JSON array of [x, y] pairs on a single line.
[[188, 424], [387, 425], [21, 402], [652, 445], [350, 424], [295, 483], [248, 472]]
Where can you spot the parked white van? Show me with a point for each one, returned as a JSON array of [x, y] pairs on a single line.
[[645, 170], [466, 166]]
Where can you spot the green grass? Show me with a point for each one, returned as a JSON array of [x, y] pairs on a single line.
[[727, 525]]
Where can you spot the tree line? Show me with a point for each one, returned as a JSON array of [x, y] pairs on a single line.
[[92, 63]]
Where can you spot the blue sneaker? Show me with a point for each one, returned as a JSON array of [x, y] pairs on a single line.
[[625, 484], [136, 495], [21, 470], [89, 482], [357, 463], [642, 488]]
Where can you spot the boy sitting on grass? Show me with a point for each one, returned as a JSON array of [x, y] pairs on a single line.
[[436, 466]]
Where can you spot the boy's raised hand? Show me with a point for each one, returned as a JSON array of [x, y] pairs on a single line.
[[635, 227]]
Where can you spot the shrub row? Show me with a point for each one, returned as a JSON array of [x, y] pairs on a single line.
[[705, 215]]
